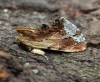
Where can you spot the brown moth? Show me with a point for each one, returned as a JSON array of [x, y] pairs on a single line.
[[62, 35]]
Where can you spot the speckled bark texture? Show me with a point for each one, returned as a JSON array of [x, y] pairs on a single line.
[[19, 65]]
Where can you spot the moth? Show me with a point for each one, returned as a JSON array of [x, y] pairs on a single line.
[[61, 35]]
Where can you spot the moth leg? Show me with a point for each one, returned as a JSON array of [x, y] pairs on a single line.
[[39, 52]]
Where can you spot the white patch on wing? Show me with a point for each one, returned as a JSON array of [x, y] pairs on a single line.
[[71, 30]]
